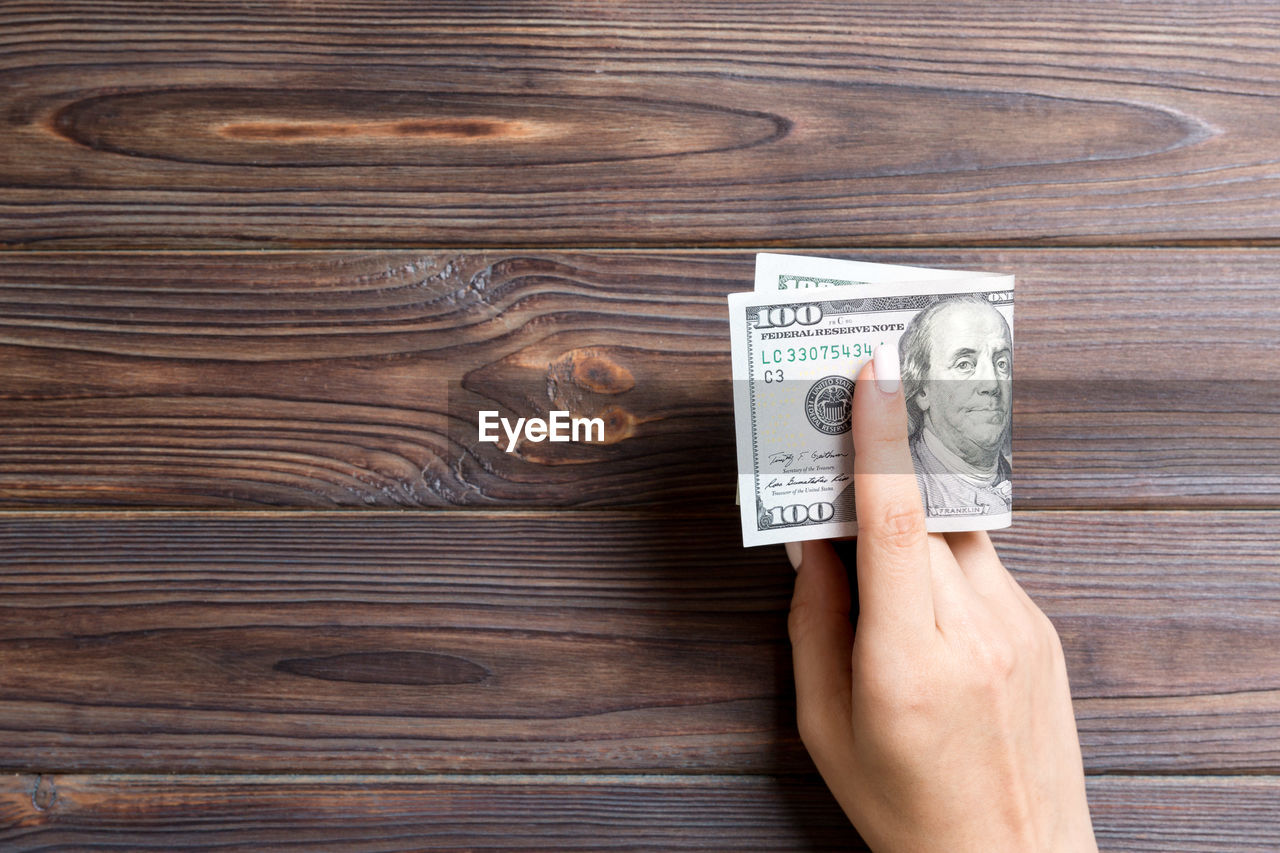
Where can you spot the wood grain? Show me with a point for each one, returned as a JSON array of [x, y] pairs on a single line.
[[641, 652], [554, 813], [646, 123], [394, 813], [428, 642], [343, 379]]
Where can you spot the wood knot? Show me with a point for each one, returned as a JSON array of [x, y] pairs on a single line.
[[44, 794], [592, 369], [424, 128], [418, 668], [619, 424]]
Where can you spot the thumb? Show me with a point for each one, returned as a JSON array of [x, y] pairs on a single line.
[[895, 591]]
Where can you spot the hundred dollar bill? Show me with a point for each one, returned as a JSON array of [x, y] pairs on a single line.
[[802, 272], [795, 354]]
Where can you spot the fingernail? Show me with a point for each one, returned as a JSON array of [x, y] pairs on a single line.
[[888, 371], [794, 553]]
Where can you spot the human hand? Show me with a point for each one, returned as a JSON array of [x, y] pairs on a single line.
[[944, 722]]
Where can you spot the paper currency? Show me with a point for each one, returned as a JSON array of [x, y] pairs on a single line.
[[775, 273], [798, 342]]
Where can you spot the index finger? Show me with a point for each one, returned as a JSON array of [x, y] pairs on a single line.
[[895, 589]]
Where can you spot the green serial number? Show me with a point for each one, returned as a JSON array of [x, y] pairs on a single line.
[[817, 352]]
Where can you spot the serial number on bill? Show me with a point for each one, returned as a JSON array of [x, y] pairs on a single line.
[[818, 352]]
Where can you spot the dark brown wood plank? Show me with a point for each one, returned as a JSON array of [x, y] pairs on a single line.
[[338, 379], [394, 813], [138, 124], [554, 813], [1223, 815], [577, 641]]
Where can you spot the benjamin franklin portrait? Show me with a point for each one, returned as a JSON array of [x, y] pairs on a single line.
[[957, 375]]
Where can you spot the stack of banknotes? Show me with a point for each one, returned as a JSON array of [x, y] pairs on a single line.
[[801, 337]]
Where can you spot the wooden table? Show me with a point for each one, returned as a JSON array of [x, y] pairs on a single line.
[[261, 590]]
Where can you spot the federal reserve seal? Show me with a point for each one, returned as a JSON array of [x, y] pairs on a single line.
[[829, 405]]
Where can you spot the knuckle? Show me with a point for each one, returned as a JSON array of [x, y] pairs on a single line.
[[899, 525], [997, 660]]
